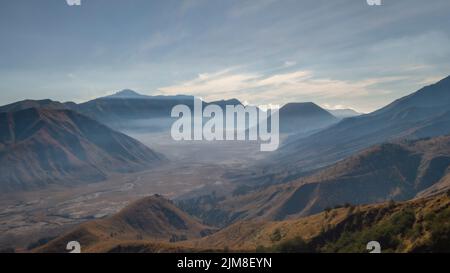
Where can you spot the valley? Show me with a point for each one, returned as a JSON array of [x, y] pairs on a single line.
[[192, 169]]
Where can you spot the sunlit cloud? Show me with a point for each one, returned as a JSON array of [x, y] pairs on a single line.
[[336, 107], [258, 88]]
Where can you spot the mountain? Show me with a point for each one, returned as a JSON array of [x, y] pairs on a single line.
[[131, 94], [124, 110], [397, 171], [424, 113], [41, 146], [344, 113], [127, 94], [304, 117], [26, 104], [128, 104], [152, 218], [129, 110], [392, 171], [420, 225], [224, 103]]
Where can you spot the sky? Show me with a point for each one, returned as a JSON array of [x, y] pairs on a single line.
[[338, 54]]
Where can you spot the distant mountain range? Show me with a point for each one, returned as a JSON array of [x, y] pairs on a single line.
[[126, 110], [344, 113], [42, 146], [129, 110], [26, 104], [131, 94], [424, 113]]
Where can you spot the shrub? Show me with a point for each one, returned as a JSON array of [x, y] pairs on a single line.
[[276, 235], [295, 245], [440, 239]]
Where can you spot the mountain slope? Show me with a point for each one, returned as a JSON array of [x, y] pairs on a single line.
[[421, 225], [398, 171], [422, 114], [43, 146], [26, 104], [152, 218]]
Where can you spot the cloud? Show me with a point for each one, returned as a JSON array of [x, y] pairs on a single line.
[[285, 79], [335, 107], [280, 88]]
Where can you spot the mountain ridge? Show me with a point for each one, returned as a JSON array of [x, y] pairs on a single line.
[[404, 118], [150, 218], [399, 171], [41, 146]]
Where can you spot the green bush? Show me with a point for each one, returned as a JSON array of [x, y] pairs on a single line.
[[295, 245], [387, 232]]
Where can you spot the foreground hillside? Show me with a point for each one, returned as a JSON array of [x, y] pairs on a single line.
[[421, 225], [41, 146], [152, 218]]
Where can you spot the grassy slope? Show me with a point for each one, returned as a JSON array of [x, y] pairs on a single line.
[[421, 225], [152, 218]]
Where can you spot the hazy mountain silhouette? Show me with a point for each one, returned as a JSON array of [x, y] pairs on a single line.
[[44, 146], [304, 117], [344, 113], [127, 94], [127, 110]]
